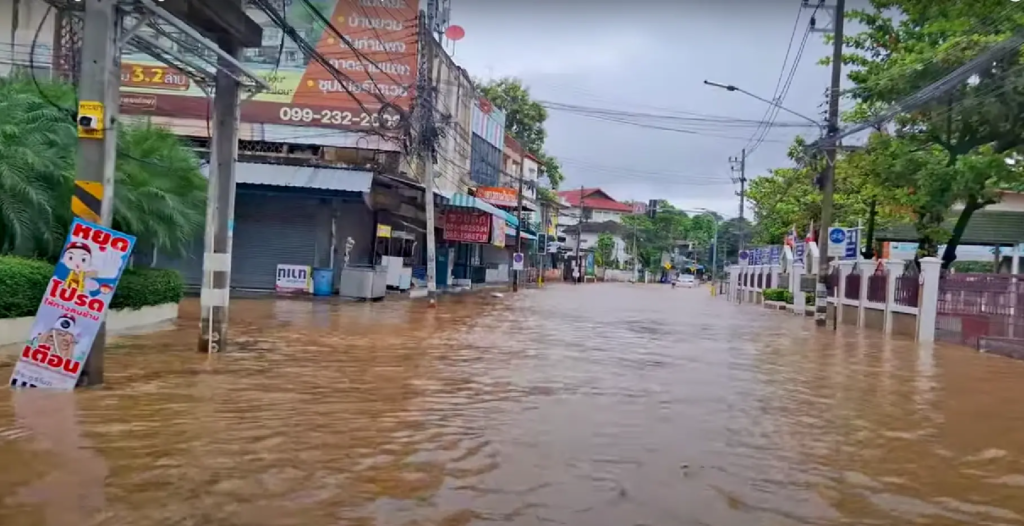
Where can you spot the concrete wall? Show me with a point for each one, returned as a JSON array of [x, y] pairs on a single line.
[[16, 330]]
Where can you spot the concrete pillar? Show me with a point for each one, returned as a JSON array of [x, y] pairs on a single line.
[[845, 268], [895, 270], [774, 271], [799, 301], [794, 279], [866, 269], [928, 311]]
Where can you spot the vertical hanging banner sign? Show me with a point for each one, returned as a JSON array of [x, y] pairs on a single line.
[[73, 307]]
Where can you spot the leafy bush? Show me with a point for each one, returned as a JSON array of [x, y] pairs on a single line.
[[775, 294], [809, 298], [145, 287], [973, 267], [23, 283]]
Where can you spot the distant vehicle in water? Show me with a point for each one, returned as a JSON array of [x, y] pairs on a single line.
[[686, 280]]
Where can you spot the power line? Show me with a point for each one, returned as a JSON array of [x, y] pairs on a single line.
[[778, 82]]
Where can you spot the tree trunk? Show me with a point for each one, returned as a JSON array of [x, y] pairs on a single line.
[[949, 255]]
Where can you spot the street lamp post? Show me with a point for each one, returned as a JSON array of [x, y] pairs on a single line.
[[827, 175], [730, 87]]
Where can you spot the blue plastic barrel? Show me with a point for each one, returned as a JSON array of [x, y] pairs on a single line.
[[323, 281]]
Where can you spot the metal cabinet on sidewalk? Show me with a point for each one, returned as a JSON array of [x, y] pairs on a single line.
[[363, 282]]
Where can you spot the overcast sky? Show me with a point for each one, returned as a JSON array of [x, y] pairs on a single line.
[[651, 56]]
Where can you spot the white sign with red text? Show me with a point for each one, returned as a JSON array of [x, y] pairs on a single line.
[[73, 307]]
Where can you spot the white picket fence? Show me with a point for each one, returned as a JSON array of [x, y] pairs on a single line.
[[869, 294]]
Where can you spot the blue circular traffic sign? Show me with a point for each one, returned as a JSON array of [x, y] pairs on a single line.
[[837, 235], [744, 254]]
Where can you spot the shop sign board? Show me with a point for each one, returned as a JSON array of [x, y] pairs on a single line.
[[498, 231], [383, 230], [294, 279], [73, 307], [498, 196], [382, 59], [469, 226]]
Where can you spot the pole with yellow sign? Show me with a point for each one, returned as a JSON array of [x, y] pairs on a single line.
[[98, 92]]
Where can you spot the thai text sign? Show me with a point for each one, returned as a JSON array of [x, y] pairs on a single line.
[[377, 59], [498, 196], [467, 226], [74, 307], [294, 278], [498, 231]]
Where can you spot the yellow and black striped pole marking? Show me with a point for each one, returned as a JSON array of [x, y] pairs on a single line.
[[87, 200]]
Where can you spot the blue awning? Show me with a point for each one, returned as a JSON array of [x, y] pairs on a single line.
[[524, 234], [468, 201], [510, 218]]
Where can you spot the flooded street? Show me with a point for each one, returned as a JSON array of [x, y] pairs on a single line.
[[590, 405]]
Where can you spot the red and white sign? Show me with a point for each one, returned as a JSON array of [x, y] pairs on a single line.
[[498, 196], [467, 226], [73, 307]]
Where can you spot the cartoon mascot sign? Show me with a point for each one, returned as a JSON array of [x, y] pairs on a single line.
[[73, 308]]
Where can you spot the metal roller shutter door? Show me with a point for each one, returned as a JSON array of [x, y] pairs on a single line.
[[272, 230], [190, 265]]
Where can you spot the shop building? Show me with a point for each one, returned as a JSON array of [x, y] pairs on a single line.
[[287, 215], [595, 207]]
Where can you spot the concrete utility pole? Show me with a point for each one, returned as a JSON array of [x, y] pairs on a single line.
[[99, 98], [579, 237], [828, 174], [425, 109], [519, 230], [220, 206], [740, 165], [542, 241], [741, 162], [636, 257]]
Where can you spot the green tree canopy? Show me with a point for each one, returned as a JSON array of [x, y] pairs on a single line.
[[159, 195], [524, 120], [604, 253], [907, 44], [789, 197]]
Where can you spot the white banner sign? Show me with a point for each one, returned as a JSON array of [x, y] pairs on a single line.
[[294, 278]]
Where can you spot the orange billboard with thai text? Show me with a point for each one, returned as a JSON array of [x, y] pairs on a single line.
[[377, 60]]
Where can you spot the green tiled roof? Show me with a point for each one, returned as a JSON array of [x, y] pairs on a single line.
[[985, 228]]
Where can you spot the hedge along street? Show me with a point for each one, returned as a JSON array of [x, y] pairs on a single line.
[[24, 281]]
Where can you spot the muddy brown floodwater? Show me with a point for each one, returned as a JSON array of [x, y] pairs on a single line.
[[588, 405]]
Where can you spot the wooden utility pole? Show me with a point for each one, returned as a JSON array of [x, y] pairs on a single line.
[[99, 97], [828, 174]]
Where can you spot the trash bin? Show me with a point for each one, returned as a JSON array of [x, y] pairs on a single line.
[[323, 281]]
